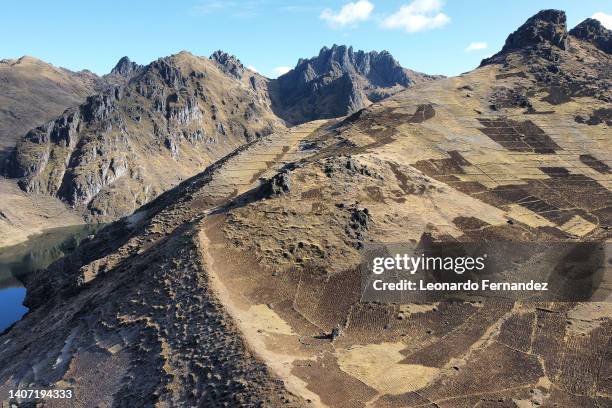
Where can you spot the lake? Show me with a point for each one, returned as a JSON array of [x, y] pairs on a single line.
[[36, 253]]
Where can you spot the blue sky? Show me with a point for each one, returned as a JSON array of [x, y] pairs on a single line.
[[426, 35]]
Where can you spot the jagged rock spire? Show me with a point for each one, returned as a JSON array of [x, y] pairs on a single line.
[[125, 67], [228, 63]]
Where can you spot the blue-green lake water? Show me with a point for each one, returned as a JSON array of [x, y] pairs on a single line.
[[36, 253]]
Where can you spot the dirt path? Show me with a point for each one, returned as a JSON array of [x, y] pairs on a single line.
[[258, 323]]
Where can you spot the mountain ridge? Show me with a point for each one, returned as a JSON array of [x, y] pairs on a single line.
[[92, 165], [169, 109]]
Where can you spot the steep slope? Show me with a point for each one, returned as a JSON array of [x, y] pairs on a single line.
[[563, 64], [128, 144], [33, 92], [266, 243], [337, 82], [189, 345], [592, 31]]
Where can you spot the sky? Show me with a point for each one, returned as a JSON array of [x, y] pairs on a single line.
[[432, 36]]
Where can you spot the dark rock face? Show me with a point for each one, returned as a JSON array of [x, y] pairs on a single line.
[[347, 165], [335, 83], [381, 69], [548, 26], [228, 63], [603, 115], [33, 92], [358, 225], [277, 185], [126, 68], [38, 152], [543, 31], [555, 59], [592, 31]]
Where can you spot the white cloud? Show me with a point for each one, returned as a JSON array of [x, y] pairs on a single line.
[[604, 19], [349, 14], [252, 68], [281, 70], [301, 8], [419, 15], [474, 46], [211, 6]]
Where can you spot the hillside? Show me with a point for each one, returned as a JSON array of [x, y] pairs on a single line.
[[172, 118], [126, 145], [33, 92], [240, 285]]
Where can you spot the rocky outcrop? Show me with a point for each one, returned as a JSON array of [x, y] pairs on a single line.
[[278, 185], [555, 60], [126, 68], [545, 35], [546, 27], [592, 31], [38, 157], [228, 63], [543, 31], [337, 82], [381, 69]]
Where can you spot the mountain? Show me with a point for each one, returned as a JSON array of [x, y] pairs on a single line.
[[33, 92], [155, 125], [337, 82], [241, 286], [129, 143], [556, 59], [126, 68]]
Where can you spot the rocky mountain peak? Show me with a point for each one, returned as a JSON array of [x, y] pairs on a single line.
[[547, 26], [339, 54], [338, 81], [379, 67], [544, 34], [228, 63], [591, 30], [173, 71], [125, 67]]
